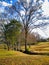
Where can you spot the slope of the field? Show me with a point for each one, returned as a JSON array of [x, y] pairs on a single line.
[[5, 53], [41, 47], [25, 60], [19, 58]]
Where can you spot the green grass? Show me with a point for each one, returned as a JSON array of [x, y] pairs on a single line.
[[19, 58], [5, 53]]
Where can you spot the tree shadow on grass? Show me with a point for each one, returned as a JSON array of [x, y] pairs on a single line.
[[34, 53]]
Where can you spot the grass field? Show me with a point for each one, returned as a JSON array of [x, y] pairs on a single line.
[[19, 58], [41, 47]]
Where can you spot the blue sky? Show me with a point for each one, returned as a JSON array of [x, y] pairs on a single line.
[[12, 0], [45, 7], [9, 1]]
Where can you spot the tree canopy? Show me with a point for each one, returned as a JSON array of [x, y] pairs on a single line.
[[27, 12], [12, 31]]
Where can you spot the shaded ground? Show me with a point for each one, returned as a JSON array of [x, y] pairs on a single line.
[[36, 53]]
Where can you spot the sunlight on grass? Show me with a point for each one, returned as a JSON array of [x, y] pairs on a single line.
[[18, 58], [41, 47], [5, 53], [25, 60]]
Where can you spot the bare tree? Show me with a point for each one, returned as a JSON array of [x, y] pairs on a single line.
[[28, 12]]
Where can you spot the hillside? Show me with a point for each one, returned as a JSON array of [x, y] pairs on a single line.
[[19, 58]]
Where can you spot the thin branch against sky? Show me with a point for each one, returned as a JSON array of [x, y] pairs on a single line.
[[45, 7]]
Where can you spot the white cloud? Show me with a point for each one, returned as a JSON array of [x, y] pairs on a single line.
[[22, 12], [42, 33], [45, 8], [28, 1], [11, 2], [47, 31], [1, 9], [5, 3]]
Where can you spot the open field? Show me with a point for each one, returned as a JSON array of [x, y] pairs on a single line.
[[41, 47], [25, 60], [19, 58]]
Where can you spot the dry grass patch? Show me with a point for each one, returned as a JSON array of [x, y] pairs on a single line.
[[25, 60]]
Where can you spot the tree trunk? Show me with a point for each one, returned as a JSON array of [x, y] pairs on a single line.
[[17, 46], [8, 48], [26, 39], [8, 44]]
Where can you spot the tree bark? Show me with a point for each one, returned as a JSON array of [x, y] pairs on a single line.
[[17, 46], [26, 39], [8, 44], [8, 48]]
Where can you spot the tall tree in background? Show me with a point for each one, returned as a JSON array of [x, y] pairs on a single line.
[[12, 32], [27, 12]]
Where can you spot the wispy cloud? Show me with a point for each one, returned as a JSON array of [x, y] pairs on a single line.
[[1, 9], [5, 3], [45, 8]]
